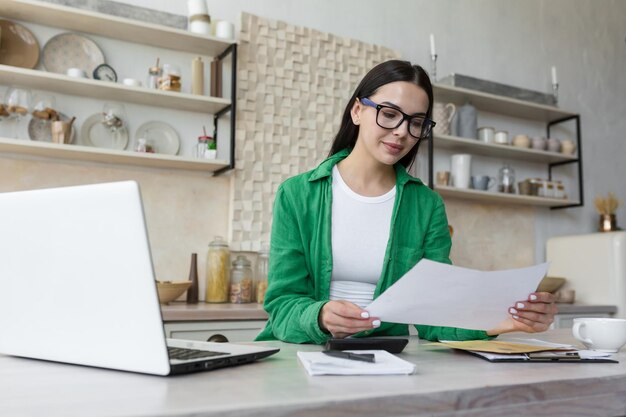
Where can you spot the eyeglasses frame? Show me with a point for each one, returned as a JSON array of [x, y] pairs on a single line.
[[367, 102]]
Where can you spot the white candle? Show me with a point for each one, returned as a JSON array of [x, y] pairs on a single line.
[[432, 44], [195, 7], [554, 80]]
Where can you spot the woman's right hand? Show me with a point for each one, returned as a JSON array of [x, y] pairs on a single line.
[[342, 318]]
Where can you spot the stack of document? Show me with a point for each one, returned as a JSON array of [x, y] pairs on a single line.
[[385, 363], [522, 350]]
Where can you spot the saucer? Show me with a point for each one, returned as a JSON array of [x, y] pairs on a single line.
[[161, 136], [95, 133], [71, 50]]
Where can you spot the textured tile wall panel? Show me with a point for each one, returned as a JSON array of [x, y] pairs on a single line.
[[293, 85]]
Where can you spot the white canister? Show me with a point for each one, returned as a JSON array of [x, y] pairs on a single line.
[[501, 137], [195, 7], [486, 134], [460, 170], [224, 29], [201, 24]]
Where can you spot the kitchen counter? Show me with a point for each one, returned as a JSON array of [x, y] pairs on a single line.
[[180, 311], [446, 383]]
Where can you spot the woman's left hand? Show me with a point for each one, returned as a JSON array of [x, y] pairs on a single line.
[[531, 316]]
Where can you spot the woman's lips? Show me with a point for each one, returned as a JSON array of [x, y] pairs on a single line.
[[392, 148]]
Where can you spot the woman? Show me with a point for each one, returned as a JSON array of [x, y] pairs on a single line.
[[346, 231]]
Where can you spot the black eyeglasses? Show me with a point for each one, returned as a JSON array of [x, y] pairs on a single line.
[[389, 117]]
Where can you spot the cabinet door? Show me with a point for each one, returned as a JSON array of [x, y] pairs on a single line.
[[234, 331]]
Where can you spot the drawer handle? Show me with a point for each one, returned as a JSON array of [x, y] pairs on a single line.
[[218, 338]]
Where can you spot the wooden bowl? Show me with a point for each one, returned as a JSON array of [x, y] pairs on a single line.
[[170, 291], [550, 284]]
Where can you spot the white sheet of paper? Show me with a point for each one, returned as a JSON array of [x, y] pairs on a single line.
[[444, 295]]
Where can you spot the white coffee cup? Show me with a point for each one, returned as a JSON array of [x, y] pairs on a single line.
[[76, 73], [460, 170], [131, 82], [601, 334]]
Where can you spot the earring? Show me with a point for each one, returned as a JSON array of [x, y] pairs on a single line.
[[356, 121]]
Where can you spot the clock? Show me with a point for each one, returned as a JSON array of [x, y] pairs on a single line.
[[105, 72]]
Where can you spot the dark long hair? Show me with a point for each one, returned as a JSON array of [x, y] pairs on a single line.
[[384, 73]]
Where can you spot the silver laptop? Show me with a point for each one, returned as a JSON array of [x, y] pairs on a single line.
[[78, 286]]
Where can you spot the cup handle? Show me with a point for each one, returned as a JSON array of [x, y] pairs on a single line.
[[577, 333], [452, 108]]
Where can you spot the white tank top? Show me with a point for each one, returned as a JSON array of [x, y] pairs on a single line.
[[360, 231]]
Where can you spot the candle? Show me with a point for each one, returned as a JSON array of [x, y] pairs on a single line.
[[432, 44], [196, 7], [554, 80]]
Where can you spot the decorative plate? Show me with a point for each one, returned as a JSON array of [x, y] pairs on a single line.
[[18, 46], [95, 133], [70, 50], [161, 136], [41, 131]]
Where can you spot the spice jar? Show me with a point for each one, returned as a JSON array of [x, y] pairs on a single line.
[[260, 280], [170, 80], [217, 272], [154, 75], [241, 281], [506, 179], [201, 146]]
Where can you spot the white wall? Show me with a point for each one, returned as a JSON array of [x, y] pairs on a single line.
[[508, 41]]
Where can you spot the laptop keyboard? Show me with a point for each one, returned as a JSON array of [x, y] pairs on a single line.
[[186, 354]]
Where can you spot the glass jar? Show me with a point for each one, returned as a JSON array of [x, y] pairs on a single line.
[[241, 281], [154, 74], [217, 271], [201, 146], [141, 145], [260, 280], [506, 179], [170, 79]]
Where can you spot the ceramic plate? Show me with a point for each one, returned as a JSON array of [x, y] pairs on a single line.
[[161, 136], [70, 50], [95, 133], [40, 130], [18, 46]]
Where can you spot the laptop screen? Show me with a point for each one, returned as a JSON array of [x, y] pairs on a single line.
[[77, 278]]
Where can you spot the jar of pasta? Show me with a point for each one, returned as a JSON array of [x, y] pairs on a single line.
[[217, 271], [241, 283]]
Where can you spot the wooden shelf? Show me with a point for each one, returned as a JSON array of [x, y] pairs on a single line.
[[495, 197], [108, 156], [73, 19], [476, 147], [104, 90], [498, 104]]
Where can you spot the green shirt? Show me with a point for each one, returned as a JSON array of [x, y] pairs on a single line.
[[301, 255]]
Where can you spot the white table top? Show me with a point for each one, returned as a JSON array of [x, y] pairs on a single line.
[[447, 382]]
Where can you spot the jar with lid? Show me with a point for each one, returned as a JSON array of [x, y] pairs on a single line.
[[559, 190], [154, 74], [241, 281], [201, 146], [170, 79], [217, 271], [260, 279], [506, 179]]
